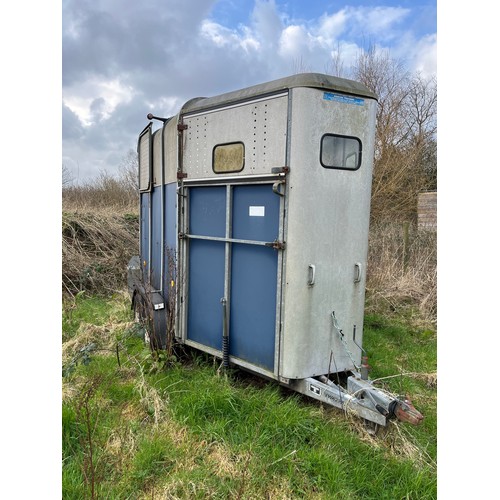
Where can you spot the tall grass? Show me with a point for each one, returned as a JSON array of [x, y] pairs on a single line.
[[116, 193], [132, 429], [96, 247], [402, 271]]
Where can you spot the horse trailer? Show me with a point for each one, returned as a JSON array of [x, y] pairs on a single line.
[[254, 218]]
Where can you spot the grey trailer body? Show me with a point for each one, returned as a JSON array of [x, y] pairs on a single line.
[[254, 229]]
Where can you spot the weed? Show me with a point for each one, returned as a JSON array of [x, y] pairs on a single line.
[[136, 428]]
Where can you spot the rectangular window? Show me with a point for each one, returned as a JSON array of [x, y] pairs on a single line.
[[228, 158], [339, 151]]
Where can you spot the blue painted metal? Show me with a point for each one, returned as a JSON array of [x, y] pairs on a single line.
[[253, 304], [144, 234], [254, 275], [255, 199], [206, 288], [253, 270], [207, 217], [207, 212], [156, 238]]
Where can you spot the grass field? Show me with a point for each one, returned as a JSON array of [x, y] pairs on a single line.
[[137, 427]]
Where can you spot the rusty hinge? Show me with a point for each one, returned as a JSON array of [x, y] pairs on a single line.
[[181, 175], [280, 170], [181, 127], [277, 245], [181, 236]]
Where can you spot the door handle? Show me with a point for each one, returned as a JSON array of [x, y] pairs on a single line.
[[357, 272], [312, 275], [276, 188]]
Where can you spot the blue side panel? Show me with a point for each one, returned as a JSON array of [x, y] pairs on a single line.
[[208, 211], [207, 217], [144, 233], [253, 304], [206, 288], [170, 263], [254, 275], [255, 213], [156, 239], [253, 269]]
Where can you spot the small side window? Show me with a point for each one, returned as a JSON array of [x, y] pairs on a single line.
[[340, 151], [228, 158]]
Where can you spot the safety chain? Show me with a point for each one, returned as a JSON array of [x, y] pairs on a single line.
[[342, 339]]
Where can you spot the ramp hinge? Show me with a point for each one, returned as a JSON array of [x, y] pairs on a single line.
[[182, 236], [181, 127], [181, 175]]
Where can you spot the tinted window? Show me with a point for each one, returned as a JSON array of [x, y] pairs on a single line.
[[228, 158], [339, 151]]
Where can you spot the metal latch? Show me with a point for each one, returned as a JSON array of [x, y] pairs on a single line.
[[277, 245], [280, 170]]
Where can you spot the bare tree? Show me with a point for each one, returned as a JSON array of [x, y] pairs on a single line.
[[300, 66], [129, 170], [405, 139], [67, 178], [335, 66]]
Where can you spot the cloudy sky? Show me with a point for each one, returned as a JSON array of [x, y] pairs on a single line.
[[122, 60]]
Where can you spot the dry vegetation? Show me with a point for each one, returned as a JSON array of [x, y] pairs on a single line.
[[100, 232], [402, 272]]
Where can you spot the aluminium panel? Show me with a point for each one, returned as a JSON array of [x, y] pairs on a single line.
[[157, 157], [144, 157], [260, 125], [327, 227]]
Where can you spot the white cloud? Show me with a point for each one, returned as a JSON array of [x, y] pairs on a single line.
[[292, 42], [331, 27], [425, 56], [83, 99], [225, 37], [378, 21], [266, 23]]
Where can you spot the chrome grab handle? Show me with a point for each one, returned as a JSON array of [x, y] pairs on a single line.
[[312, 275], [357, 272]]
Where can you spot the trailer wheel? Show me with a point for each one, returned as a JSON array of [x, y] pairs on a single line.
[[153, 321]]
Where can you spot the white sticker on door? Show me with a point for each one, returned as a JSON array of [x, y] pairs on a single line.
[[256, 211]]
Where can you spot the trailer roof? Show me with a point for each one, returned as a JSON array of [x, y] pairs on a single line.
[[314, 80]]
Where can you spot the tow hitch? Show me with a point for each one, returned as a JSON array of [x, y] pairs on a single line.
[[361, 397]]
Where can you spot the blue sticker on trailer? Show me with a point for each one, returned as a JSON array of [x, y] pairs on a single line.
[[329, 96]]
